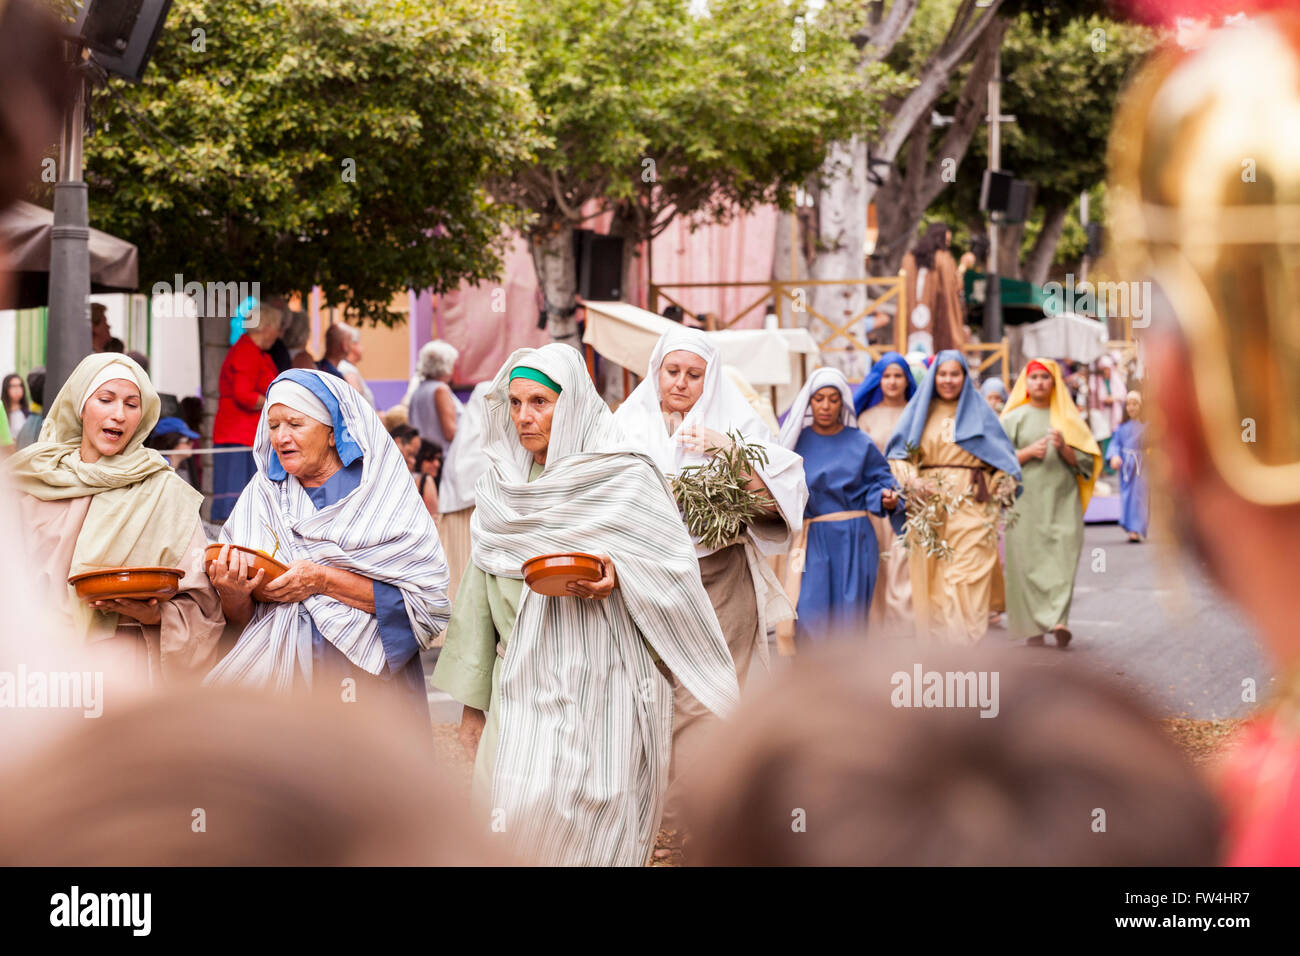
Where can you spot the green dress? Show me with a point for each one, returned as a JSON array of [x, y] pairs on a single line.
[[1044, 543]]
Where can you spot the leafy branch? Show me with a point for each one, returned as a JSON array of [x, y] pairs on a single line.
[[714, 499]]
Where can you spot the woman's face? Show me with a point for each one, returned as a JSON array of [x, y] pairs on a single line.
[[532, 408], [949, 379], [431, 467], [15, 394], [681, 380], [182, 450], [826, 406], [1133, 405], [109, 419], [1039, 385], [892, 382], [304, 446]]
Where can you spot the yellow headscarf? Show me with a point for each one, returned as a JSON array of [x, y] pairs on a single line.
[[1065, 419], [143, 514]]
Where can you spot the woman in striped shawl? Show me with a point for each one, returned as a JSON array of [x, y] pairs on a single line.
[[578, 690], [366, 588]]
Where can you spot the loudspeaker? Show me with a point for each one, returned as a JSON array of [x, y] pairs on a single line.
[[121, 34], [1017, 201], [599, 264], [995, 191]]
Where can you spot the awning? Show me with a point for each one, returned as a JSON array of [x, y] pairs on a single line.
[[25, 235], [1067, 336], [626, 335], [1021, 301]]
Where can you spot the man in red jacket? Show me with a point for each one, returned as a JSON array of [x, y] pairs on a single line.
[[246, 374]]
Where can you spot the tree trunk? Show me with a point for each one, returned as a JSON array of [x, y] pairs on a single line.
[[1039, 262], [841, 233], [1009, 241], [557, 278]]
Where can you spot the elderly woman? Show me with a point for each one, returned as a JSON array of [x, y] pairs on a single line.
[[366, 585], [576, 688], [832, 570], [951, 452], [679, 415], [435, 409], [94, 497]]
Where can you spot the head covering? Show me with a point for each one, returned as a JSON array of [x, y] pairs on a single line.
[[1065, 419], [976, 428], [535, 375], [1033, 364], [994, 386], [801, 417], [595, 495], [465, 461], [291, 394], [869, 394], [309, 389], [172, 425], [143, 514], [108, 373], [380, 529]]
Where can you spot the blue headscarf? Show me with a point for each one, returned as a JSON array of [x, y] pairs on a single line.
[[868, 393], [976, 429], [349, 451]]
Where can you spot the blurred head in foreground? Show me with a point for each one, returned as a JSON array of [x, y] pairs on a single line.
[[234, 778], [840, 763], [1204, 198]]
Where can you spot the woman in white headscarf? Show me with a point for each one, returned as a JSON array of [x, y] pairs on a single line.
[[575, 743], [831, 574], [93, 496], [684, 407], [366, 587]]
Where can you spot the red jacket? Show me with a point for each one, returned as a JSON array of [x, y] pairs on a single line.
[[246, 374]]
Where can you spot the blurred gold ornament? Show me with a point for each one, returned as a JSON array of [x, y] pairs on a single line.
[[1205, 203]]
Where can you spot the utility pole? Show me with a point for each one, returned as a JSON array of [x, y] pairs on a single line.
[[68, 326], [992, 286], [1083, 221]]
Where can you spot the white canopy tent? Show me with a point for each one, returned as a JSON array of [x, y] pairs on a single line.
[[778, 359], [1065, 336]]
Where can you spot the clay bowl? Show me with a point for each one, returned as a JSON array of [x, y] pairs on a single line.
[[135, 584], [550, 574], [259, 561]]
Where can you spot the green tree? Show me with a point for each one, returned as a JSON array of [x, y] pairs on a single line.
[[339, 143], [655, 112]]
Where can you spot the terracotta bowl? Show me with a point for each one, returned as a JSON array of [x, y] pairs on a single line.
[[135, 584], [260, 560], [551, 574]]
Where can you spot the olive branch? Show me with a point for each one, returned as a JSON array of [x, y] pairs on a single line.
[[713, 497]]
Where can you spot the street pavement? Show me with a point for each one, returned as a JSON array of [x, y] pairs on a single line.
[[1178, 645]]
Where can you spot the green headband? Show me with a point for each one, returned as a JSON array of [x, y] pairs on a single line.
[[541, 378]]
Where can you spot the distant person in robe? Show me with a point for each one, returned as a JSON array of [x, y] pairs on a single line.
[[953, 453], [832, 571], [1059, 461], [879, 401], [934, 291], [1128, 460]]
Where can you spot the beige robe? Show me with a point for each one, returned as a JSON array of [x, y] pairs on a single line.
[[951, 597], [183, 646], [891, 605]]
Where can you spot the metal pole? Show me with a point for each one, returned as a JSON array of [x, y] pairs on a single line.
[[68, 325], [992, 286]]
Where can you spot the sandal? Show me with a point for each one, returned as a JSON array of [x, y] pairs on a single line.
[[1063, 636]]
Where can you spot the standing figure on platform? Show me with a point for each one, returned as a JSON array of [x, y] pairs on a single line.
[[934, 293], [957, 466], [831, 574], [1059, 461], [1128, 460]]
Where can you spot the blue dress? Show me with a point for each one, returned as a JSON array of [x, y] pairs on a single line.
[[845, 472], [405, 673], [1126, 444]]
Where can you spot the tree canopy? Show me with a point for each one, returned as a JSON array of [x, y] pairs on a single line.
[[339, 143]]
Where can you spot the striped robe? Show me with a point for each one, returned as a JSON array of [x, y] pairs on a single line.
[[585, 716], [381, 531]]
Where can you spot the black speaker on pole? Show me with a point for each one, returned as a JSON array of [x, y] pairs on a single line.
[[121, 34], [995, 191], [1017, 202], [599, 264]]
